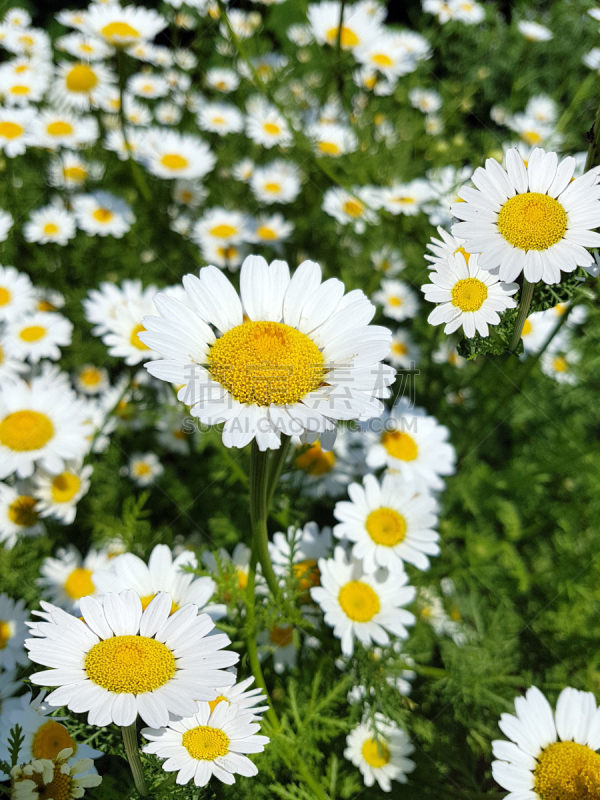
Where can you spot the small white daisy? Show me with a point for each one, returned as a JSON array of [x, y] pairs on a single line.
[[327, 473], [52, 223], [425, 100], [169, 154], [15, 130], [388, 261], [448, 245], [277, 182], [358, 28], [332, 139], [54, 129], [223, 80], [91, 380], [266, 126], [17, 295], [58, 495], [6, 223], [399, 301], [380, 749], [350, 208], [144, 468], [272, 229], [70, 171], [148, 84], [297, 554], [559, 365], [13, 614], [67, 577], [221, 118], [535, 32], [37, 336], [121, 27], [244, 698], [102, 214], [406, 198], [223, 227], [19, 515], [404, 352]]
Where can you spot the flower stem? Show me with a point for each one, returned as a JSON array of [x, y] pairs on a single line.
[[130, 740], [260, 493], [522, 314], [593, 156], [136, 172]]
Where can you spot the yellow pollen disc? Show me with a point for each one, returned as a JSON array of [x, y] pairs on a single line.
[[148, 598], [307, 573], [33, 333], [378, 119], [266, 362], [347, 37], [90, 376], [130, 664], [265, 232], [272, 128], [59, 788], [44, 305], [10, 130], [400, 445], [223, 231], [81, 78], [5, 296], [567, 771], [376, 754], [382, 60], [5, 633], [353, 208], [26, 430], [281, 637], [399, 348], [330, 148], [395, 301], [316, 461], [59, 128], [205, 743], [560, 364], [464, 252], [532, 221], [79, 583], [135, 340], [50, 228], [531, 137], [85, 48], [18, 89], [65, 486], [115, 31], [103, 215], [370, 82], [359, 601], [174, 161], [227, 252], [469, 294], [214, 703], [242, 579], [50, 739], [142, 469], [272, 187], [527, 327], [22, 511], [386, 527]]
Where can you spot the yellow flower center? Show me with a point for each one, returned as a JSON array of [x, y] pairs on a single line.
[[75, 174], [33, 333], [532, 221], [272, 128], [242, 579], [272, 187], [330, 148], [223, 231], [359, 601], [353, 208], [50, 228], [103, 215], [81, 78], [214, 703], [24, 431], [90, 376], [45, 305], [5, 296], [568, 771], [174, 161], [22, 511], [135, 340], [386, 527], [59, 128], [531, 137], [10, 130], [50, 739], [560, 364], [464, 252], [148, 598], [281, 637], [469, 294], [115, 31], [376, 754], [347, 37], [19, 89], [264, 232], [527, 328], [141, 468], [59, 788], [394, 301], [266, 362], [130, 664], [382, 60], [5, 633], [79, 583], [400, 445], [315, 461], [205, 743], [65, 486], [399, 348]]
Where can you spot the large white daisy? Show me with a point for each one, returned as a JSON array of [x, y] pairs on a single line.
[[304, 358], [531, 218], [119, 662]]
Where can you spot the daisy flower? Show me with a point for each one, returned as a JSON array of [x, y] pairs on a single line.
[[22, 89], [357, 29], [86, 48], [15, 130], [350, 209], [102, 306], [144, 468], [102, 214], [175, 431], [70, 171], [425, 100], [560, 365], [536, 330], [6, 223], [535, 32], [388, 524], [327, 473], [413, 444], [91, 661], [221, 226], [209, 743], [332, 139], [147, 84], [277, 182], [13, 614], [238, 562], [91, 380], [388, 261], [67, 578], [53, 129], [406, 198], [468, 296], [550, 753], [168, 113], [280, 643], [272, 229], [404, 352], [386, 55], [380, 749], [163, 573], [17, 295], [122, 27], [53, 778], [189, 193], [306, 344], [447, 245], [40, 425], [223, 80], [266, 126], [38, 336], [398, 300], [243, 697], [19, 515], [11, 367], [58, 495], [52, 223], [170, 154], [359, 606], [298, 553], [221, 118], [532, 219]]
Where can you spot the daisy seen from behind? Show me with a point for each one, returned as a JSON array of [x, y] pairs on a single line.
[[121, 662]]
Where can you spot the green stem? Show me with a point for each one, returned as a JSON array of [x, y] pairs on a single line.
[[259, 508], [593, 156], [277, 464], [130, 740], [136, 172], [522, 314]]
